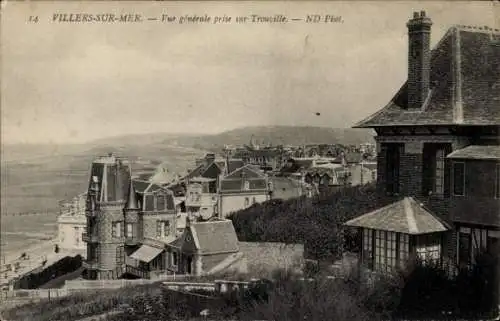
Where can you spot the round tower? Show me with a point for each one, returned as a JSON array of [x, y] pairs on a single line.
[[108, 190]]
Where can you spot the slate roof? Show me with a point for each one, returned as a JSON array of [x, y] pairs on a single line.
[[479, 152], [404, 216], [476, 53], [217, 236], [234, 181], [232, 165]]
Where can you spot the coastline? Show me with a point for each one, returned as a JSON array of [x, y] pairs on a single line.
[[33, 251]]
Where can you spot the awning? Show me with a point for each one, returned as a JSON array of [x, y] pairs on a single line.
[[405, 216], [146, 253]]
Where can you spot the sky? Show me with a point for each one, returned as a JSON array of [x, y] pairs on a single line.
[[76, 82]]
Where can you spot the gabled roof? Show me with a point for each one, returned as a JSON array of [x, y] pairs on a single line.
[[405, 216], [234, 182], [248, 170], [465, 84], [214, 237], [478, 152]]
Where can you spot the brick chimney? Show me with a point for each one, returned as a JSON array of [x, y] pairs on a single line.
[[419, 59]]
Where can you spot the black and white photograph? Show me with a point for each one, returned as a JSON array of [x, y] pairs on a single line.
[[249, 160]]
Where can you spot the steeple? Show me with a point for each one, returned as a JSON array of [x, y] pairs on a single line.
[[132, 200]]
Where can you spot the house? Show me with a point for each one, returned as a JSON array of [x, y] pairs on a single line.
[[212, 167], [72, 223], [129, 222], [286, 188], [438, 151], [203, 246], [327, 175], [242, 188], [201, 198], [363, 173]]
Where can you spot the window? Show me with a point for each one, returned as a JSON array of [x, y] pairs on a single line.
[[162, 228], [439, 174], [161, 203], [464, 246], [435, 170], [254, 200], [497, 182], [459, 179], [130, 230], [117, 229], [391, 249], [428, 248], [174, 258], [120, 255], [246, 185], [392, 155], [77, 236], [474, 241], [404, 248], [385, 250], [368, 246], [247, 201]]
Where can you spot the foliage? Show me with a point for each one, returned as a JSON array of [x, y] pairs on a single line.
[[61, 267], [429, 291], [79, 305], [316, 223]]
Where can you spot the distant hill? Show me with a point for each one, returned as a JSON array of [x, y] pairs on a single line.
[[286, 135]]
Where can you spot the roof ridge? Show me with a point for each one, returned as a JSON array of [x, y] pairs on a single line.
[[478, 29]]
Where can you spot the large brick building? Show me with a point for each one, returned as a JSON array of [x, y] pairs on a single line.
[[437, 144]]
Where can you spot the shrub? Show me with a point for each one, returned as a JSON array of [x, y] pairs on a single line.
[[317, 223]]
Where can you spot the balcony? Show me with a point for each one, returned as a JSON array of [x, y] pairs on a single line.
[[138, 272], [90, 265], [90, 213], [133, 240], [90, 238]]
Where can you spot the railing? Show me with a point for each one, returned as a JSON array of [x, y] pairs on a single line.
[[137, 272], [90, 238], [32, 294], [91, 213], [131, 240], [89, 264]]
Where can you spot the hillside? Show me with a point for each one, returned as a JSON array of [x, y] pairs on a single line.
[[286, 135]]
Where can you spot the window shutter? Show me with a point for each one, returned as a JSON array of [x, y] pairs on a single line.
[[447, 171], [158, 229]]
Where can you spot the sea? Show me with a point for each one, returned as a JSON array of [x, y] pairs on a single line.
[[33, 185]]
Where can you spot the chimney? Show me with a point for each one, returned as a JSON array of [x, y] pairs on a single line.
[[419, 59]]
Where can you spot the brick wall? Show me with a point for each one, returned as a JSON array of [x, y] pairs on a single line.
[[149, 222], [410, 175], [107, 243]]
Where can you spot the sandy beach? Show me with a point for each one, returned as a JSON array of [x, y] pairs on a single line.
[[35, 254]]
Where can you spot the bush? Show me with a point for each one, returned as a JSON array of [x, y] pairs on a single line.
[[317, 223], [59, 268]]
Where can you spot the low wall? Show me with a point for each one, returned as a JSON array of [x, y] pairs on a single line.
[[269, 256], [114, 284]]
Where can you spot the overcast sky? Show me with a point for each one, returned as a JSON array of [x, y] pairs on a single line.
[[74, 82]]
